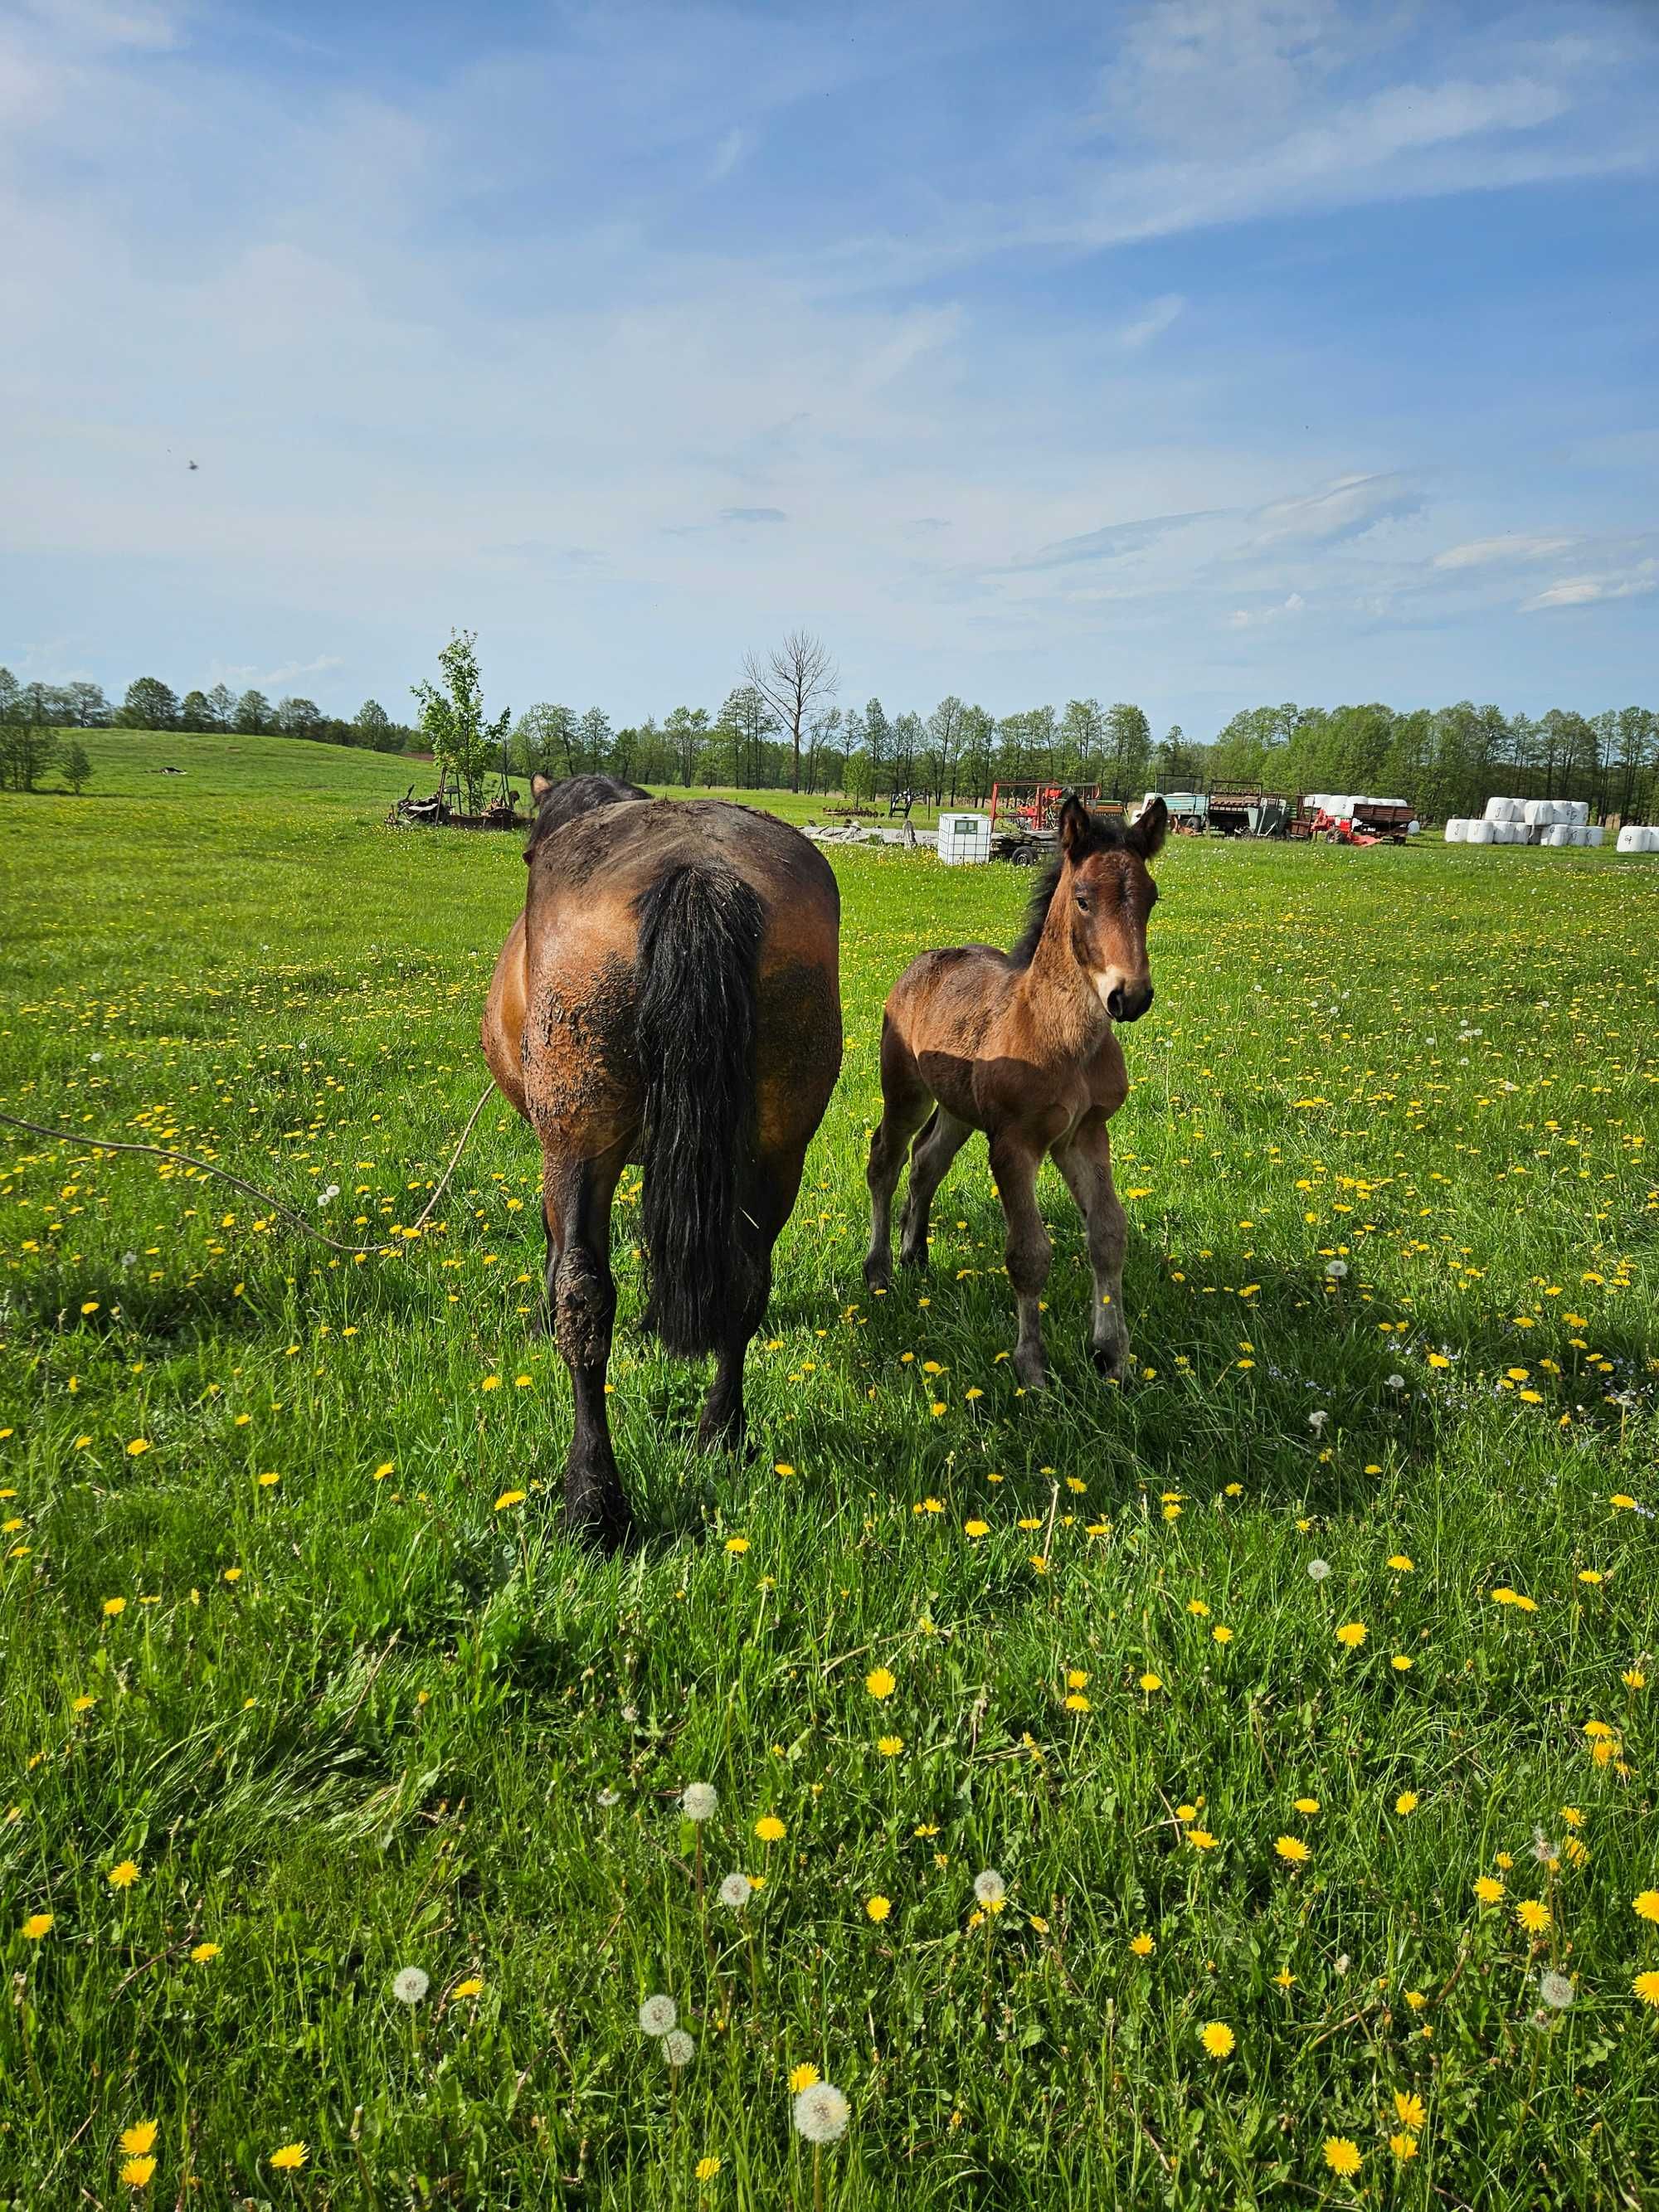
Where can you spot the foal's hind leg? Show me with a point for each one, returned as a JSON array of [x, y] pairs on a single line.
[[1086, 1164], [582, 1298], [935, 1149], [906, 1104], [767, 1207]]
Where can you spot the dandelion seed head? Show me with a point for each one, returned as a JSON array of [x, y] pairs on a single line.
[[989, 1887], [1556, 1991], [657, 2016], [736, 1891], [409, 1985], [678, 2048], [821, 2113], [1319, 1569], [699, 1801]]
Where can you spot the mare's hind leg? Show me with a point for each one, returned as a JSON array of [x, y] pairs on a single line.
[[906, 1104], [1086, 1164], [1014, 1162], [768, 1207], [935, 1149], [582, 1298]]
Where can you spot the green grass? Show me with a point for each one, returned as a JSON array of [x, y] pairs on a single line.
[[363, 1718]]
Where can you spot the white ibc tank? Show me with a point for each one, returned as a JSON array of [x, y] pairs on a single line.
[[964, 839]]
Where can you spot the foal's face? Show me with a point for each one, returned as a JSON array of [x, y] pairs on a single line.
[[1110, 893]]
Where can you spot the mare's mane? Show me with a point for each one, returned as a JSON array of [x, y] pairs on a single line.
[[1106, 834], [576, 794]]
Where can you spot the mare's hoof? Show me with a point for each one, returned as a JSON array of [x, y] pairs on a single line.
[[879, 1272], [722, 1437], [1111, 1360], [603, 1522], [1031, 1372]]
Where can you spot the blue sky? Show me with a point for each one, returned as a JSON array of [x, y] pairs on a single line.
[[1197, 352]]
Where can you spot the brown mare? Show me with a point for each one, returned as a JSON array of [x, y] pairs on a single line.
[[1024, 1045], [669, 996]]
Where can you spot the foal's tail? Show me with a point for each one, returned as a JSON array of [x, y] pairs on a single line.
[[695, 1016]]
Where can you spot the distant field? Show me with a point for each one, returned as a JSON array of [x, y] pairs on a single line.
[[1299, 1692]]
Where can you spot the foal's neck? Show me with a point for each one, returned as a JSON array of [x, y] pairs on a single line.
[[1063, 1005]]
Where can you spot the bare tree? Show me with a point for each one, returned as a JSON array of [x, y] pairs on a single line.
[[791, 679]]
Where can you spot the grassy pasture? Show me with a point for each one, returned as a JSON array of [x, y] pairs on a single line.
[[299, 1690]]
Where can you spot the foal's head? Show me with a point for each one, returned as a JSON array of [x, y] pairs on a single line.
[[1105, 893]]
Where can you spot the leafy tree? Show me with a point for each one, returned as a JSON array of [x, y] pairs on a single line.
[[194, 711], [877, 744], [594, 734], [149, 705], [370, 724], [978, 737], [464, 745], [687, 732], [299, 718], [1128, 741], [546, 742], [253, 714], [11, 693], [1082, 734], [75, 767], [744, 720], [821, 735], [221, 707], [27, 750]]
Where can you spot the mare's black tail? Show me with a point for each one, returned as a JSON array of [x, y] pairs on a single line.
[[699, 953]]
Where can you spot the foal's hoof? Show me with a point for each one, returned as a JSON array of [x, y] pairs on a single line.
[[1111, 1360], [1031, 1370], [879, 1272]]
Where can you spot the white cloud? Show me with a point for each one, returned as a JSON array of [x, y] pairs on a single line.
[[1346, 508], [298, 671], [1481, 552], [1152, 324], [1242, 618], [727, 155], [1589, 591]]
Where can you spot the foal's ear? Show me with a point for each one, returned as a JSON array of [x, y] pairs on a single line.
[[540, 785], [1074, 826], [1147, 836]]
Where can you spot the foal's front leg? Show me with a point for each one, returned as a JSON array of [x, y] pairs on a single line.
[[1014, 1162], [581, 1296], [1086, 1164]]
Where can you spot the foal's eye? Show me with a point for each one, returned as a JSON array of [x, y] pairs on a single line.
[[1082, 902]]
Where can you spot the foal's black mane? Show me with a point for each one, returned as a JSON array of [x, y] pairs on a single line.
[[577, 794], [1106, 834]]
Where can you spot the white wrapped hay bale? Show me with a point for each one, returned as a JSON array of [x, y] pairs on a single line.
[[1457, 830], [1594, 834], [1501, 809], [1578, 812], [1558, 834], [1482, 833], [1539, 813], [1633, 838]]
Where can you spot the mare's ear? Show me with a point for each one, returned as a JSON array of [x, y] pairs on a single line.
[[1146, 837], [540, 785], [1074, 826]]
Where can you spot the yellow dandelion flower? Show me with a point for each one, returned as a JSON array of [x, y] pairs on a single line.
[[1408, 2109], [113, 1607], [1292, 1848], [1217, 2038], [139, 2138], [1201, 1839], [1646, 1986], [802, 2077], [509, 1498], [1142, 1946], [1488, 1891], [1646, 1906], [1307, 1804], [138, 1445], [1407, 1802], [136, 2173], [1534, 1914], [976, 1529], [290, 2158], [123, 1876], [736, 1546], [707, 2168], [1149, 1682], [471, 1987], [202, 1952], [1342, 2156], [1403, 2146], [877, 1907], [1401, 1565], [770, 1829], [890, 1746], [1352, 1634], [1416, 2000], [880, 1683], [37, 1925]]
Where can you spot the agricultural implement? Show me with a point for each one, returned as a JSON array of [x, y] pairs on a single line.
[[1025, 818], [1354, 820], [435, 813]]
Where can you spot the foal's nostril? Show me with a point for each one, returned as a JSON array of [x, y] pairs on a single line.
[[1114, 1003], [1123, 1008]]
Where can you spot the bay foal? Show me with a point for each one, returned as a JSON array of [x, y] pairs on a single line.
[[670, 995], [1023, 1045]]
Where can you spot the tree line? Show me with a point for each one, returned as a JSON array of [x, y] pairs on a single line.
[[782, 728]]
